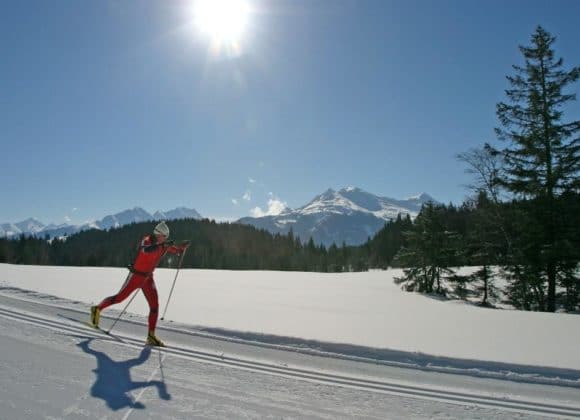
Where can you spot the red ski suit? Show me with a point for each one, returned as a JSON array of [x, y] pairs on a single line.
[[141, 276]]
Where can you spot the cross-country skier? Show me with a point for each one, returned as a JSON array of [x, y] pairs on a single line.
[[151, 249]]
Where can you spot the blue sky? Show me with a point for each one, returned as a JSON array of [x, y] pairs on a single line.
[[107, 105]]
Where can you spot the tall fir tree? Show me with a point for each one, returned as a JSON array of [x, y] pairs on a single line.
[[542, 157]]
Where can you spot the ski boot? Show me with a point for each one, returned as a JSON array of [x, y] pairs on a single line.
[[152, 340], [95, 316]]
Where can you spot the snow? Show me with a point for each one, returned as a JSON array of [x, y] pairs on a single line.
[[247, 344], [79, 374], [391, 213], [334, 202], [359, 309], [420, 197]]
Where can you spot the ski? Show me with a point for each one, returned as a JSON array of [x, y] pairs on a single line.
[[119, 339], [92, 327], [88, 324], [107, 333]]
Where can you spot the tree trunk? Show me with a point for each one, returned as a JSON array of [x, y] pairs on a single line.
[[485, 285], [551, 304]]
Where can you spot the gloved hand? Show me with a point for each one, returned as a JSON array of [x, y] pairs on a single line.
[[185, 244]]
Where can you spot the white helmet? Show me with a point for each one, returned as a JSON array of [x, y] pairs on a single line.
[[161, 229]]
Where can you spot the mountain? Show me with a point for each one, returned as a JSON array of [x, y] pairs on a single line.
[[350, 215], [9, 229], [134, 215], [34, 227], [30, 225], [178, 213]]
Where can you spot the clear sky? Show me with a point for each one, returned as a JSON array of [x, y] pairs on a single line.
[[106, 105]]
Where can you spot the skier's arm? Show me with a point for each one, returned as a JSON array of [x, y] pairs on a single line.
[[148, 246], [178, 249]]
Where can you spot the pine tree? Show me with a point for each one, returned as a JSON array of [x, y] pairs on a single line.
[[484, 245], [430, 252], [542, 157]]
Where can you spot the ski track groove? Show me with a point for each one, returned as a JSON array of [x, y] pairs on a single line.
[[520, 377], [303, 374], [128, 413]]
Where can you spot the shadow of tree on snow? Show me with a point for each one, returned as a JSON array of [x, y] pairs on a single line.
[[114, 384]]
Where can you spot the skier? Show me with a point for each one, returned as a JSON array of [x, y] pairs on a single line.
[[151, 249]]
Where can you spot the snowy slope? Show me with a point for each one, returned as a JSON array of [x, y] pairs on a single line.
[[9, 229], [77, 372], [275, 345], [30, 225], [54, 366], [350, 309]]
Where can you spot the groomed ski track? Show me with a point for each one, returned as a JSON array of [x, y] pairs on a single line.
[[361, 376]]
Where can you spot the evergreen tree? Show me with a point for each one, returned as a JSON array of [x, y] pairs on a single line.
[[382, 248], [483, 245], [486, 279], [430, 252], [542, 158]]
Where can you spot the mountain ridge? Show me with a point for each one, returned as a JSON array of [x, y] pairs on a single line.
[[350, 215], [34, 227]]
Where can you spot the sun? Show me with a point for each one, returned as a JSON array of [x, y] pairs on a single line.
[[223, 21]]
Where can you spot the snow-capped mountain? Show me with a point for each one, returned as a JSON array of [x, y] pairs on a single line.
[[30, 225], [134, 215], [350, 215], [35, 228]]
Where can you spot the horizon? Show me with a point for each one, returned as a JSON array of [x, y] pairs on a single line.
[[153, 212], [112, 105]]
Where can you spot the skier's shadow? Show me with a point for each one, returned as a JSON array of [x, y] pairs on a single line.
[[114, 383]]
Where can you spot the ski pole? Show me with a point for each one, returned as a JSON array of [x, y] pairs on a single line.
[[124, 309], [173, 285]]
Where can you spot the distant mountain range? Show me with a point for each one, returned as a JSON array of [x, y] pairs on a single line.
[[34, 227], [350, 215]]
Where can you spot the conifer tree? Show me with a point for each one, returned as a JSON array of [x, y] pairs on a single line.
[[429, 253], [542, 156], [484, 244]]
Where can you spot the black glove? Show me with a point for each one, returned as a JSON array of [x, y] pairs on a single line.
[[169, 242]]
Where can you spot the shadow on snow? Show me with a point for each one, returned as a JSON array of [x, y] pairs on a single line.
[[114, 383]]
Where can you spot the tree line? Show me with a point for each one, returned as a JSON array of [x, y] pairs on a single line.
[[213, 246]]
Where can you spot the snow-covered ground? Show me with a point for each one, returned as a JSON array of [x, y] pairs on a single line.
[[361, 309], [353, 330]]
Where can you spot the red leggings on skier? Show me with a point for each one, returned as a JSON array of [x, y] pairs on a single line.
[[151, 249], [134, 282]]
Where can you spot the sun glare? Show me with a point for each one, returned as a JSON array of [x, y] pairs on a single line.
[[223, 21]]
